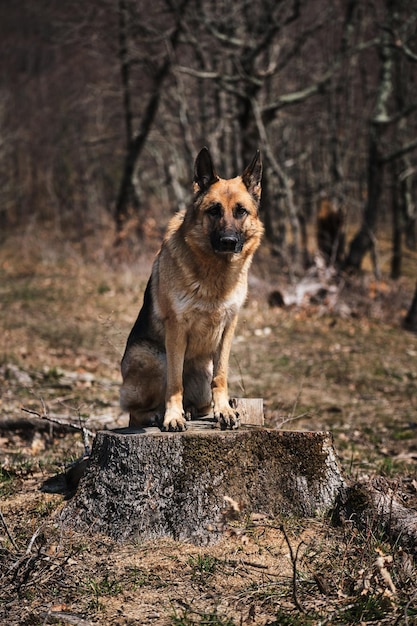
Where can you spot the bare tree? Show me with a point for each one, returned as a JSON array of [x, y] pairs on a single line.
[[159, 71], [385, 118], [410, 321], [241, 69]]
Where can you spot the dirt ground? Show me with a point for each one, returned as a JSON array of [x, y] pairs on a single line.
[[338, 360]]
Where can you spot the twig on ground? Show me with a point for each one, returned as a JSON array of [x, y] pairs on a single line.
[[8, 533], [63, 617], [55, 420], [32, 540], [294, 558], [86, 433], [292, 418]]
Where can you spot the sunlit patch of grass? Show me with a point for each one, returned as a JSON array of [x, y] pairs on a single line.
[[404, 434], [98, 588], [8, 483], [103, 288], [366, 608], [45, 508], [52, 374], [186, 616], [27, 291], [203, 566], [137, 577], [287, 618], [390, 468]]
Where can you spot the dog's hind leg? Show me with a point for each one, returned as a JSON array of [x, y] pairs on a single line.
[[142, 393], [197, 388]]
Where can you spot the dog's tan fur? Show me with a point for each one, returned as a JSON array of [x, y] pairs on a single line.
[[176, 358]]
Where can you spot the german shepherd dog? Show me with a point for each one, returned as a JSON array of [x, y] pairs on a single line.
[[175, 364]]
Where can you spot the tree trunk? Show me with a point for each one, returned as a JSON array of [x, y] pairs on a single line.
[[126, 191], [144, 485], [397, 228], [127, 194], [410, 210], [136, 142], [364, 240], [410, 321]]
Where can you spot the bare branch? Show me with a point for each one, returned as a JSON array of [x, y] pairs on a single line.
[[296, 97], [386, 120], [292, 211], [60, 422], [400, 45], [392, 156], [204, 74]]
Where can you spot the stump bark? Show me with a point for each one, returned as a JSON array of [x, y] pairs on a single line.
[[149, 484]]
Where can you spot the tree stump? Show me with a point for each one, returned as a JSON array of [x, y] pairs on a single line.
[[148, 484]]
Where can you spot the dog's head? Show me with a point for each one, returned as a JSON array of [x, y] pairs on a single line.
[[227, 209]]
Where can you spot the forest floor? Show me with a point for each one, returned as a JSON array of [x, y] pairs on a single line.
[[339, 361]]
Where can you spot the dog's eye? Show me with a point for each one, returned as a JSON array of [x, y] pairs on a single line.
[[240, 211], [215, 210]]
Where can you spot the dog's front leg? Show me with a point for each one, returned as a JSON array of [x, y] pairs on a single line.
[[224, 413], [175, 345]]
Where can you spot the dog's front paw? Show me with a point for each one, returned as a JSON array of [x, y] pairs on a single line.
[[174, 421], [227, 416]]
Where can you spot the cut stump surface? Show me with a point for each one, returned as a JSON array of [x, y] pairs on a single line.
[[149, 484]]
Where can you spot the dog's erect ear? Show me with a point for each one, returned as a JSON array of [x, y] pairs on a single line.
[[252, 176], [204, 172]]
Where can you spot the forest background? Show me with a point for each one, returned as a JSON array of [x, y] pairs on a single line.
[[104, 107]]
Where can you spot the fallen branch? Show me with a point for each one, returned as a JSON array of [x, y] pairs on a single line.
[[376, 503], [76, 470], [33, 539], [64, 618], [86, 433]]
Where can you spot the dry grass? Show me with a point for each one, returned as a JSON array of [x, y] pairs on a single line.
[[63, 327]]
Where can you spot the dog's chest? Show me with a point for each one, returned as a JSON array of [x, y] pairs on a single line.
[[195, 303], [205, 320], [204, 334]]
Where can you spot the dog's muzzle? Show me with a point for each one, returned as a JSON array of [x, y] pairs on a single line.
[[228, 242]]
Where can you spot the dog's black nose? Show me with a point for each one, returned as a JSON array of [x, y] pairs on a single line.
[[227, 242], [230, 243]]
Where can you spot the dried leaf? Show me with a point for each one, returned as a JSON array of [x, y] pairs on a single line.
[[381, 563]]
